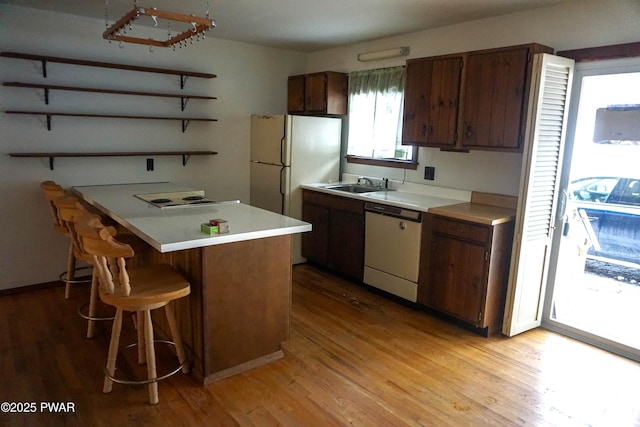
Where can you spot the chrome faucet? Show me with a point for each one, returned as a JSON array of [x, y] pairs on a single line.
[[365, 181]]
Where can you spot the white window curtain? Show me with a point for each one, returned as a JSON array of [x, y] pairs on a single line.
[[375, 114]]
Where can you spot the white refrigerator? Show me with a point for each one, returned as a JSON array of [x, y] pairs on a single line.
[[287, 151]]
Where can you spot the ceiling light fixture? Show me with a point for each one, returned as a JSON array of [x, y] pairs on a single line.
[[196, 26], [383, 54]]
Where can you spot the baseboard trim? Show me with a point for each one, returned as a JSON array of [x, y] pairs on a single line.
[[31, 288]]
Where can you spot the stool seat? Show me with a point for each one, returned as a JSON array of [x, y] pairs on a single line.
[[155, 286]]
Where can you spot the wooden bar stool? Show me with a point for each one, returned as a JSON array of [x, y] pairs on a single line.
[[137, 290], [70, 211], [52, 192]]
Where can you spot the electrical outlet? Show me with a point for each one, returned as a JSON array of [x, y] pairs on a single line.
[[429, 173], [149, 164]]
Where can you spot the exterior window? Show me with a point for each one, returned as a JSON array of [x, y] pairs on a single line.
[[375, 119]]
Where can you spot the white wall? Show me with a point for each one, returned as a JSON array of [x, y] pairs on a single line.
[[251, 79], [571, 25]]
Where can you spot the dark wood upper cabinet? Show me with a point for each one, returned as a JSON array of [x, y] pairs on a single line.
[[323, 93], [494, 98], [295, 94], [432, 90], [472, 100]]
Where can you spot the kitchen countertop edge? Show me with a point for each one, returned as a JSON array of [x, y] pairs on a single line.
[[461, 210]]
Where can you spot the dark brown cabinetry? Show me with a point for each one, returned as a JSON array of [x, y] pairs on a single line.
[[465, 271], [323, 93], [337, 238], [473, 100], [432, 90]]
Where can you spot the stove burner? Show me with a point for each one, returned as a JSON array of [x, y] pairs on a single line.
[[160, 200], [199, 202], [192, 198]]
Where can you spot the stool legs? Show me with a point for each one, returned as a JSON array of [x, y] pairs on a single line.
[[113, 351], [146, 349], [177, 339], [93, 300], [151, 357], [142, 349], [71, 270]]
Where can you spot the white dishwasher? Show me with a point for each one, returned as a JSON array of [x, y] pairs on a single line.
[[392, 249]]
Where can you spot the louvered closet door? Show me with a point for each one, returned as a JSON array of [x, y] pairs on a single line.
[[538, 195]]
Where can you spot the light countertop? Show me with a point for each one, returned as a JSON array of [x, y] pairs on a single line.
[[178, 228], [452, 204], [401, 199], [476, 212]]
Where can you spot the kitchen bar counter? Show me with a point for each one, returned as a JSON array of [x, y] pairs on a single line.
[[238, 312], [178, 228]]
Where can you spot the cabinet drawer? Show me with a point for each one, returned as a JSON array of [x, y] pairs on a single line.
[[463, 230], [335, 202]]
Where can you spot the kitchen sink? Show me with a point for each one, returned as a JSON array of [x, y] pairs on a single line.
[[353, 188]]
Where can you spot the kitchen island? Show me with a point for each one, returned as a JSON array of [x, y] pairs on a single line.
[[238, 313]]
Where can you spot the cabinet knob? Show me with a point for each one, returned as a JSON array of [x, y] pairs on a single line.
[[402, 225]]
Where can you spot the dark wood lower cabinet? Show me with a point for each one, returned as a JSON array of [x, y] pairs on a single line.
[[465, 269], [337, 238]]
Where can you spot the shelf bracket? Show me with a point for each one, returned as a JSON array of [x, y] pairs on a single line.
[[51, 158], [48, 121], [183, 102], [183, 80], [44, 68], [185, 124], [185, 159], [46, 95]]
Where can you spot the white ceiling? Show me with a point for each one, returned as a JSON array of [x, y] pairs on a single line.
[[305, 25]]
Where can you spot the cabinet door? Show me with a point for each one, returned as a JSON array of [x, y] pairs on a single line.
[[431, 102], [493, 99], [295, 94], [315, 91], [346, 243], [457, 278], [315, 243]]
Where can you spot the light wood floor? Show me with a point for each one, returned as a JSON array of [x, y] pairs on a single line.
[[354, 358]]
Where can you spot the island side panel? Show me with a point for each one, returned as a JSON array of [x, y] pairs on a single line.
[[189, 310], [247, 291]]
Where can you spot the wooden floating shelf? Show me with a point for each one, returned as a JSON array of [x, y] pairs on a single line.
[[51, 156], [47, 88], [185, 120], [45, 59]]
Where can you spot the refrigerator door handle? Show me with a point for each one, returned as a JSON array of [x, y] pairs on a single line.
[[282, 146], [282, 187]]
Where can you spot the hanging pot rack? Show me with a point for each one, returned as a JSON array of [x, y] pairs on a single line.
[[198, 26]]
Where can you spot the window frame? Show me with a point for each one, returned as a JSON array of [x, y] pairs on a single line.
[[386, 162]]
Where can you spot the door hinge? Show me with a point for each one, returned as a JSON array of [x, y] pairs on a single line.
[[486, 255], [480, 317]]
